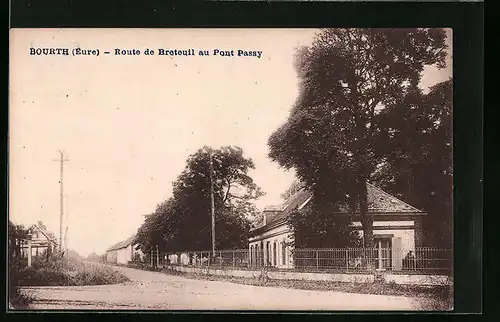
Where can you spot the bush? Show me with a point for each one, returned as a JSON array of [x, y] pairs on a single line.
[[65, 272], [44, 276], [98, 275], [17, 298]]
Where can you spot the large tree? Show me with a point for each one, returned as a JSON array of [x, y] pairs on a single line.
[[314, 230], [347, 78], [17, 234], [418, 164], [157, 229], [184, 221]]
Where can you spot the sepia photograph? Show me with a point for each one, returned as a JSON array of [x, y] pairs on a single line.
[[230, 169]]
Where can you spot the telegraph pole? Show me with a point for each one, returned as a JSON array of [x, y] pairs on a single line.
[[212, 200], [61, 160], [66, 239], [67, 226]]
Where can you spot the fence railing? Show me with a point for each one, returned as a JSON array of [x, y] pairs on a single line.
[[423, 260]]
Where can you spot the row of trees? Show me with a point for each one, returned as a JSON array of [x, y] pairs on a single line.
[[362, 117], [183, 222]]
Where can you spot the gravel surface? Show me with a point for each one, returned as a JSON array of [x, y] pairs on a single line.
[[158, 291]]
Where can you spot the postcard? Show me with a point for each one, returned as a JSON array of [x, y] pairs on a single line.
[[231, 169]]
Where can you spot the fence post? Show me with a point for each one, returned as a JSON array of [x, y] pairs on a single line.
[[220, 259], [157, 257], [234, 263], [317, 259]]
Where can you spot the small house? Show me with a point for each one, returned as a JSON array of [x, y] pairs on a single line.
[[123, 252], [396, 229], [42, 242]]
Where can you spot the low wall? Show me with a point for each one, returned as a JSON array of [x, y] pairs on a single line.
[[418, 279], [335, 277], [212, 271]]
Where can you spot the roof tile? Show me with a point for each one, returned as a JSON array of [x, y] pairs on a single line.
[[378, 202], [122, 244]]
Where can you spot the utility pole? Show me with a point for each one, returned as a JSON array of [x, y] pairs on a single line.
[[212, 200], [61, 160], [67, 226], [66, 239]]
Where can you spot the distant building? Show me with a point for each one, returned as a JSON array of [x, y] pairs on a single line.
[[42, 241], [123, 252], [396, 227]]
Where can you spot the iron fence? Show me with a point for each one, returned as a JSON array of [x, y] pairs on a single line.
[[237, 258], [419, 260], [425, 260]]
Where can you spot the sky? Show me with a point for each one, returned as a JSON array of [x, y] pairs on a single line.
[[128, 123]]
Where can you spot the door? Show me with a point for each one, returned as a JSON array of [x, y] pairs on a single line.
[[383, 253]]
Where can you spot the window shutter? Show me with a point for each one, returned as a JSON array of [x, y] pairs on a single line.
[[397, 253]]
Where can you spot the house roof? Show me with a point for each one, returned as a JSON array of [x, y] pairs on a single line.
[[381, 201], [378, 202], [44, 232], [281, 212], [122, 244]]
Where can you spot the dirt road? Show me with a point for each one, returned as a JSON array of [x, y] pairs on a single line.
[[158, 291]]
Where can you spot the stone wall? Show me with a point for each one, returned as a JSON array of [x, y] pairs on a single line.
[[349, 278]]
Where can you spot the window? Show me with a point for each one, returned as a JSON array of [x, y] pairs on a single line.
[[283, 253], [275, 250], [267, 255], [251, 254], [254, 254], [259, 254]]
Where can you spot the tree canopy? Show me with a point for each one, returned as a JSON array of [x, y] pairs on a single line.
[[418, 165], [333, 137], [184, 221], [312, 229], [17, 233]]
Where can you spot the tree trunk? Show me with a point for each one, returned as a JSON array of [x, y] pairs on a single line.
[[366, 218], [17, 251], [12, 247], [367, 224]]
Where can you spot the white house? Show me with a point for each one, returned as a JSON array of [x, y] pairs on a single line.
[[42, 241], [396, 227], [123, 252]]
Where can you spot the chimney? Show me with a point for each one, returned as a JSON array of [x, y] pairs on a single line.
[[264, 217]]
